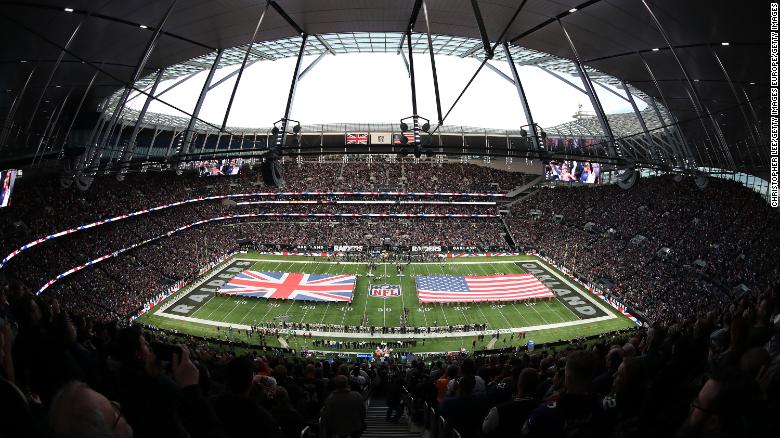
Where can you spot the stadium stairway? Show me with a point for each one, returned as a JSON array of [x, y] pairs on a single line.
[[523, 191], [378, 427]]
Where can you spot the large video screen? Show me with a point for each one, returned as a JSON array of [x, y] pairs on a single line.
[[219, 167], [7, 178], [573, 171]]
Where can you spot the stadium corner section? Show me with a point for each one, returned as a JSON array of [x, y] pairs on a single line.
[[592, 316]]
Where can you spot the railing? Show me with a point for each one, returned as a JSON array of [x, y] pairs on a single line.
[[434, 425]]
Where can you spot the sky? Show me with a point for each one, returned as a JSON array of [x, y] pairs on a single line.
[[375, 88]]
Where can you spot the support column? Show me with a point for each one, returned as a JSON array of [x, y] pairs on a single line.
[[523, 99], [9, 120], [127, 155], [696, 97], [415, 120], [591, 91], [139, 68], [648, 137], [187, 136], [76, 113], [51, 75], [242, 68], [736, 96], [681, 140], [433, 63], [281, 138]]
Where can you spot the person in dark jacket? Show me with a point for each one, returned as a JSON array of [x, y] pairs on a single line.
[[344, 412]]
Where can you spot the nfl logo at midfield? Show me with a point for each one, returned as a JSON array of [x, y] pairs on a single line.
[[384, 290]]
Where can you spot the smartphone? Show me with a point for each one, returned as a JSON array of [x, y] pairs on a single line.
[[165, 351]]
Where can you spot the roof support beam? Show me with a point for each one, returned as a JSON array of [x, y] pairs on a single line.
[[311, 66], [127, 155], [500, 38], [561, 78], [243, 67], [748, 125], [500, 73], [286, 17], [95, 158], [76, 113], [482, 30], [406, 63], [697, 102], [47, 136], [679, 135], [433, 62], [51, 76], [591, 91], [9, 119], [188, 133], [521, 94], [167, 89], [325, 44], [281, 138], [231, 74], [641, 121]]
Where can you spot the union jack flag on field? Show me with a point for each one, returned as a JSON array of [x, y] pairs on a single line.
[[480, 288], [357, 138], [291, 286]]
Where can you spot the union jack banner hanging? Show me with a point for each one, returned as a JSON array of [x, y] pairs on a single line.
[[480, 288], [357, 138], [291, 286]]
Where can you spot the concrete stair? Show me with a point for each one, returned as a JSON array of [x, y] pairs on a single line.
[[378, 427]]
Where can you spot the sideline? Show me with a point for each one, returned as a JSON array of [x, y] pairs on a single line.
[[364, 335]]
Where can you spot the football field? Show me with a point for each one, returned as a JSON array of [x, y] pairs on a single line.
[[574, 312]]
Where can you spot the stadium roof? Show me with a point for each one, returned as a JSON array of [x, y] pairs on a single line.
[[609, 35]]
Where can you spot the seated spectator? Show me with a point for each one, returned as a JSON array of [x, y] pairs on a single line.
[[577, 412], [240, 415], [504, 420], [79, 412]]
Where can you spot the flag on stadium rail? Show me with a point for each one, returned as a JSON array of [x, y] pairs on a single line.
[[291, 286], [479, 288], [357, 138], [381, 138], [409, 136]]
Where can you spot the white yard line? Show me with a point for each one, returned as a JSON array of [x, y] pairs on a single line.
[[525, 320], [325, 313], [250, 311]]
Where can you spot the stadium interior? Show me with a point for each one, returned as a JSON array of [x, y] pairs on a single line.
[[174, 265]]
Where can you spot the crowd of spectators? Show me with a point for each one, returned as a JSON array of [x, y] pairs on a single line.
[[717, 239], [119, 285], [66, 375], [704, 367]]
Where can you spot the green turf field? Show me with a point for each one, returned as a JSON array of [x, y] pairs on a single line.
[[564, 320]]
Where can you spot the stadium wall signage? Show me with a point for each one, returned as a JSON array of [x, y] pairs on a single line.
[[348, 248], [426, 248]]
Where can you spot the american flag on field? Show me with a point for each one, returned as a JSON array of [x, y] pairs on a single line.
[[357, 138], [477, 288], [291, 286]]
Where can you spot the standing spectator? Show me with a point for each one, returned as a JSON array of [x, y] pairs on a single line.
[[344, 412]]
